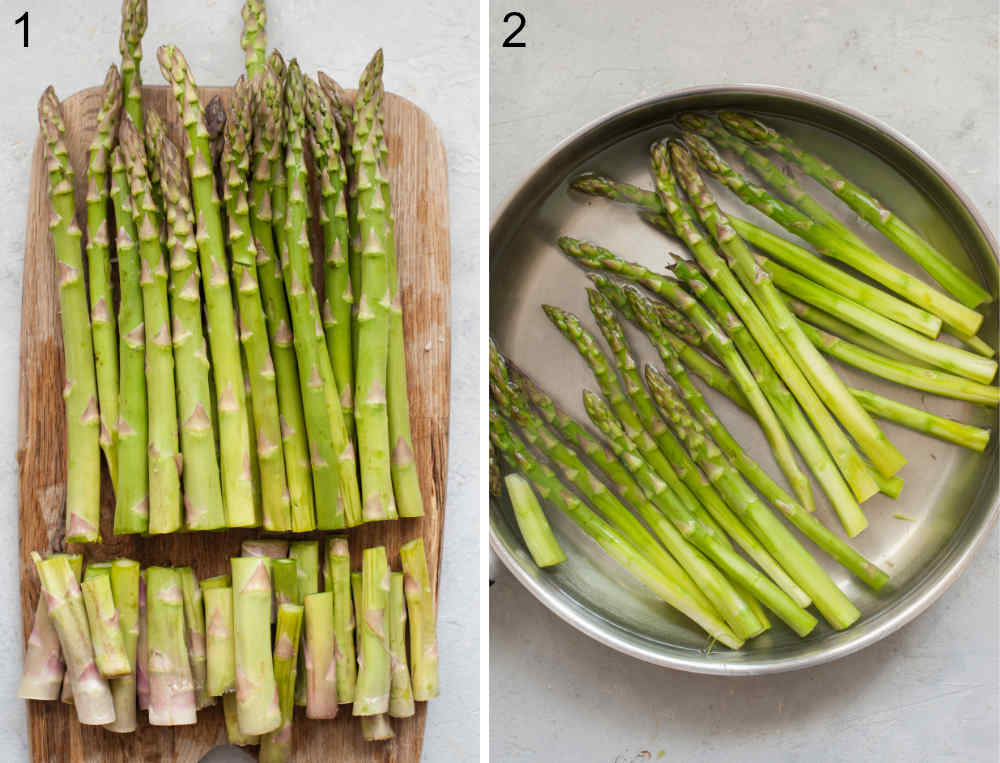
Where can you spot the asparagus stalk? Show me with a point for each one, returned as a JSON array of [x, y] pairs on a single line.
[[195, 635], [234, 434], [507, 397], [823, 465], [102, 615], [870, 209], [275, 501], [171, 686], [965, 435], [154, 133], [376, 728], [496, 480], [105, 338], [711, 374], [268, 162], [519, 458], [338, 561], [254, 37], [974, 343], [883, 454], [834, 325], [276, 747], [164, 480], [233, 732], [838, 280], [285, 576], [83, 458], [672, 448], [531, 521], [44, 668], [220, 654], [124, 577], [422, 610], [374, 222], [134, 21], [203, 505], [76, 564], [338, 298], [910, 375], [91, 694], [256, 692], [732, 564], [371, 692], [320, 663], [944, 356], [320, 402], [306, 555], [401, 690], [132, 497], [142, 648]]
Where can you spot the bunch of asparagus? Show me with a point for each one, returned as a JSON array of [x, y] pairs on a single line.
[[755, 326], [295, 415], [113, 637]]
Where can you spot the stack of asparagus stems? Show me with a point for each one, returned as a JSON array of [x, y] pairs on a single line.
[[228, 387], [757, 326], [114, 638]]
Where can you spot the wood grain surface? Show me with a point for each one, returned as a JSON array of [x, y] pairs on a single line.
[[417, 169]]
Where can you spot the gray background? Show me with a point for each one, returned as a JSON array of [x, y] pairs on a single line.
[[927, 693], [431, 54]]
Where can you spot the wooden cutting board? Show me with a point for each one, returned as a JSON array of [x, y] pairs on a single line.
[[419, 178]]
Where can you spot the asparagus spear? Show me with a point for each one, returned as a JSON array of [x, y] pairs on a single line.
[[276, 747], [154, 133], [401, 690], [124, 576], [834, 325], [711, 374], [637, 392], [204, 508], [965, 435], [285, 578], [732, 564], [838, 280], [531, 521], [338, 298], [220, 654], [946, 273], [254, 37], [171, 686], [132, 498], [507, 397], [105, 338], [519, 458], [334, 487], [76, 564], [944, 356], [234, 434], [371, 692], [267, 163], [195, 635], [338, 561], [974, 343], [233, 732], [374, 296], [496, 484], [256, 692], [102, 615], [134, 20], [252, 320], [44, 668], [883, 454], [83, 458], [142, 648], [164, 480], [376, 728], [91, 694], [910, 375], [306, 555], [599, 258], [823, 465], [320, 663]]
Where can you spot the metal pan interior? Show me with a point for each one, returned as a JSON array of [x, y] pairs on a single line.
[[950, 494]]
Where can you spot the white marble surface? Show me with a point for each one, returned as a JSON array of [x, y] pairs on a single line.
[[927, 693], [431, 58]]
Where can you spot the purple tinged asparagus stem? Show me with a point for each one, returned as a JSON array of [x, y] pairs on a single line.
[[171, 686], [44, 668]]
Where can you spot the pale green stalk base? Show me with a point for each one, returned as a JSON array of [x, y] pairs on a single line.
[[423, 620], [371, 692], [401, 691], [171, 686], [320, 662], [531, 521], [256, 692]]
